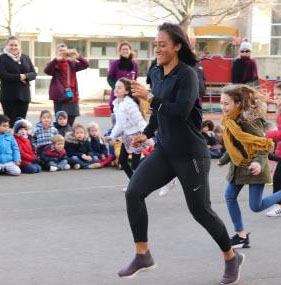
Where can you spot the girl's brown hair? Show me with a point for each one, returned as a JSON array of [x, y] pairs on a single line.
[[252, 102], [45, 112], [127, 84]]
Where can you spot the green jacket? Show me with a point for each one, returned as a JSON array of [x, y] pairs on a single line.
[[241, 175]]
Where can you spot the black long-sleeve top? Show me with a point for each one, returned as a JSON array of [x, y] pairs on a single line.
[[179, 114]]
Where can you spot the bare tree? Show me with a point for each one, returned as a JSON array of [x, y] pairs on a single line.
[[185, 11], [9, 10]]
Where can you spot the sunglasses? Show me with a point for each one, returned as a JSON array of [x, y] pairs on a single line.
[[245, 51]]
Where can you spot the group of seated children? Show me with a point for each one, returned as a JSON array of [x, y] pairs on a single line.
[[213, 137], [51, 146]]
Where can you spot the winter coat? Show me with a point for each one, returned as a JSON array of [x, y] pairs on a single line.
[[9, 149], [129, 119], [98, 147], [62, 129], [26, 151], [42, 136], [77, 148], [49, 153], [276, 135], [242, 175], [115, 73], [12, 88], [57, 88]]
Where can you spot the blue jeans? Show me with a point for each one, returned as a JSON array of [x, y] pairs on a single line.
[[60, 165], [257, 203], [83, 163], [31, 168]]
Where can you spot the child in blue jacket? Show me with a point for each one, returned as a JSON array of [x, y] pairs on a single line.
[[9, 150]]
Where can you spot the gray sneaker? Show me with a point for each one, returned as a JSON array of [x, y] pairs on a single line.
[[232, 269], [141, 262]]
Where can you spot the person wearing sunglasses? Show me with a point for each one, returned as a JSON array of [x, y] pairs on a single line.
[[244, 69]]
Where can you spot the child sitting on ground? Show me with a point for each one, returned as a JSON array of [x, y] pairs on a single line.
[[78, 148], [54, 156], [44, 131], [99, 148], [29, 161], [61, 123], [9, 150]]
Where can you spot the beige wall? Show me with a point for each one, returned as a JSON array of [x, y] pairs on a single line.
[[269, 66]]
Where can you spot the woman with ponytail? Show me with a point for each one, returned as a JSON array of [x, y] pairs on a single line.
[[247, 152], [125, 67]]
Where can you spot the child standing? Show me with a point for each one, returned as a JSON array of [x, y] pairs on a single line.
[[44, 131], [54, 155], [9, 150], [29, 161], [61, 123], [129, 123], [78, 148], [276, 135], [247, 151], [99, 148]]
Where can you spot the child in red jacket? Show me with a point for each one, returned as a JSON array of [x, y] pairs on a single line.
[[276, 135], [29, 161]]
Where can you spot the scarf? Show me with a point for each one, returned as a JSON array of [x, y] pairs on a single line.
[[126, 64], [15, 58], [251, 143]]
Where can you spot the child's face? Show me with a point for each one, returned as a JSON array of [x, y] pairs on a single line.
[[59, 145], [227, 104], [94, 132], [4, 127], [205, 129], [119, 90], [79, 134], [46, 120], [62, 121], [23, 133], [218, 134], [277, 96]]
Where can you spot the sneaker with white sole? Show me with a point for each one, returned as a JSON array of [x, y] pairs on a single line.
[[53, 168], [67, 167], [76, 166], [94, 165], [239, 242], [275, 211], [232, 269], [141, 263], [165, 189]]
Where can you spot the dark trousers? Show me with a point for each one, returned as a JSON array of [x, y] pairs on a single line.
[[123, 160], [277, 178], [156, 171], [14, 109]]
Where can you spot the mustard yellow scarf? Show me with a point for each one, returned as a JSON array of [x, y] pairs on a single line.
[[251, 143]]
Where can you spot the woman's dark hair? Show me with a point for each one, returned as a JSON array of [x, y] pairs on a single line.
[[209, 124], [12, 38], [127, 84], [179, 36]]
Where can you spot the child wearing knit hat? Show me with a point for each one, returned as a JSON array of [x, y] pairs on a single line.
[[29, 161], [61, 123]]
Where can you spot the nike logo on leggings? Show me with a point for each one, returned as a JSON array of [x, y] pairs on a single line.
[[197, 188]]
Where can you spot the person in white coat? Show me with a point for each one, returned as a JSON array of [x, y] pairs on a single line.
[[130, 122]]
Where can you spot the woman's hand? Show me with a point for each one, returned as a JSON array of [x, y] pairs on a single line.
[[139, 90], [72, 54], [255, 168], [219, 164], [138, 140], [61, 55], [86, 157], [23, 78]]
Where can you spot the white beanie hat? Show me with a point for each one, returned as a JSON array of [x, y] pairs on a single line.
[[245, 45]]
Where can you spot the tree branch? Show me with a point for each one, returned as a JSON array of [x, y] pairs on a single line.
[[167, 9]]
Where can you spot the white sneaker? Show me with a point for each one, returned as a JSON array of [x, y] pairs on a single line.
[[76, 166], [53, 168], [164, 190], [124, 189], [67, 167], [275, 211]]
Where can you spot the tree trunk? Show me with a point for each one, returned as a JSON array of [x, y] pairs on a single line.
[[185, 23]]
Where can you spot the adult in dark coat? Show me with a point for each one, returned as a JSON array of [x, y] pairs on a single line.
[[16, 71], [57, 68]]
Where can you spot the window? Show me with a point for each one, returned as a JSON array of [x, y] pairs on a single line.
[[103, 49], [25, 47], [276, 32], [42, 56], [2, 44]]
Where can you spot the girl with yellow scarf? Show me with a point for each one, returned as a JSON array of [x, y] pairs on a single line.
[[247, 151]]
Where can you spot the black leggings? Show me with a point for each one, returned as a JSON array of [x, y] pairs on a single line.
[[277, 178], [156, 171], [14, 109], [123, 160]]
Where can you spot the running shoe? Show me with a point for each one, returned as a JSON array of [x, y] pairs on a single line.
[[239, 242], [275, 211]]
